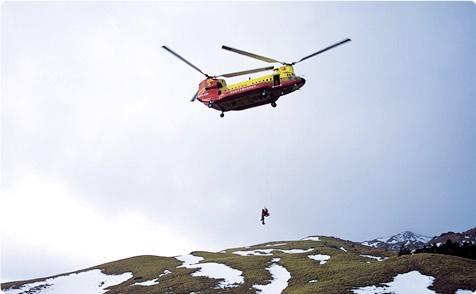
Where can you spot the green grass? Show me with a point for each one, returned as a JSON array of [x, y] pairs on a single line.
[[342, 273]]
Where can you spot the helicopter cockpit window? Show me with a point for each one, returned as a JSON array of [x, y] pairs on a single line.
[[219, 85]]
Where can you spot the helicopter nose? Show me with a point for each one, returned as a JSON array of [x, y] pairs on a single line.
[[303, 81]]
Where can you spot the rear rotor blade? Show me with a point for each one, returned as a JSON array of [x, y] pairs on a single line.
[[252, 55], [323, 50], [239, 73], [185, 60]]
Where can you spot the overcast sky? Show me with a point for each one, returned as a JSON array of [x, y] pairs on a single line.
[[104, 157]]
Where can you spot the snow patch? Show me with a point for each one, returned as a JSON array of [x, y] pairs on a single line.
[[166, 272], [256, 252], [152, 282], [373, 244], [231, 276], [311, 239], [268, 252], [278, 244], [147, 283], [313, 281], [322, 258], [411, 282], [461, 291], [295, 251], [378, 258], [343, 249], [189, 259], [93, 281], [279, 282]]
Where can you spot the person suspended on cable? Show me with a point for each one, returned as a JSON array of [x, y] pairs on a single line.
[[264, 213]]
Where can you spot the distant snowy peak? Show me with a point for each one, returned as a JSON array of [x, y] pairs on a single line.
[[409, 239], [408, 236]]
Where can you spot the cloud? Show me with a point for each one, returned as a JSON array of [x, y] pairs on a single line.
[[42, 213]]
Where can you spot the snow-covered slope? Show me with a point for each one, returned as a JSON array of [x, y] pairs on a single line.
[[93, 281], [409, 239]]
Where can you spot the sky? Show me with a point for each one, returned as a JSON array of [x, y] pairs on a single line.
[[103, 156]]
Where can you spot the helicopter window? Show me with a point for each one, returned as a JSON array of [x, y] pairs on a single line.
[[219, 85], [212, 87]]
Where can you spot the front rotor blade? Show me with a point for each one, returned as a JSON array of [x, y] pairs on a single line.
[[239, 73], [194, 97], [184, 60], [252, 55], [323, 50]]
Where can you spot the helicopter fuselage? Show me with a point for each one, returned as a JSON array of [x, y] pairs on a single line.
[[215, 93]]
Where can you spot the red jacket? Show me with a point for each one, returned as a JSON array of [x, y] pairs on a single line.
[[264, 212]]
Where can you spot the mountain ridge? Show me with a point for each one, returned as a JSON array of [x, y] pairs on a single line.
[[408, 239], [412, 241], [468, 236]]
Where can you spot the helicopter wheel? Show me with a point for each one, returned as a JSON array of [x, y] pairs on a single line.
[[273, 104], [222, 114], [210, 104]]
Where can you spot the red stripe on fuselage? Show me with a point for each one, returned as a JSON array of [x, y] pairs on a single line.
[[251, 96]]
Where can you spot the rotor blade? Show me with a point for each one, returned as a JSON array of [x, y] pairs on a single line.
[[184, 60], [323, 50], [194, 97], [239, 73], [252, 55]]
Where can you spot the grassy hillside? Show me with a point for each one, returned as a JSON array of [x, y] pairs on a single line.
[[346, 269]]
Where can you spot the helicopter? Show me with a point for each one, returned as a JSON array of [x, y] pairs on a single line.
[[215, 93]]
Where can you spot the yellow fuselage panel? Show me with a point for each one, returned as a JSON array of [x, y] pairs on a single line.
[[285, 72]]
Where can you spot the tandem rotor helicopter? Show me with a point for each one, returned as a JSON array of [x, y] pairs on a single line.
[[215, 93]]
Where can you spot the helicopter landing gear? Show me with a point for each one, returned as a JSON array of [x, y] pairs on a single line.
[[273, 104], [210, 104], [222, 114]]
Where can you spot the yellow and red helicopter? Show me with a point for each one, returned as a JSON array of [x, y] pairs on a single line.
[[215, 93]]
